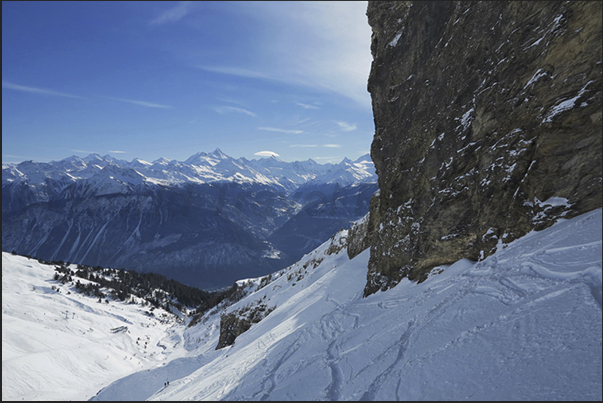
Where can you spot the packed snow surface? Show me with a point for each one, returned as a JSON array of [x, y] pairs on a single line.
[[522, 324]]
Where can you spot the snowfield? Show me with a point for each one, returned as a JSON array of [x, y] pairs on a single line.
[[60, 345], [522, 324]]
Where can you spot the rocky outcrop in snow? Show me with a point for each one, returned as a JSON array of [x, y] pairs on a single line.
[[239, 321]]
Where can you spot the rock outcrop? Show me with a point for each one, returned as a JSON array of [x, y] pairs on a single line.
[[235, 323], [487, 126]]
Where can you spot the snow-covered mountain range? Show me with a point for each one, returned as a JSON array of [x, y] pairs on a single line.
[[107, 174], [522, 324], [206, 222]]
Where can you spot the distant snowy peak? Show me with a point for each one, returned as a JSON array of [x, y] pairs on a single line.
[[10, 173], [163, 161], [136, 162], [113, 180], [217, 153], [120, 174], [203, 158], [201, 167], [365, 158], [349, 172], [97, 159]]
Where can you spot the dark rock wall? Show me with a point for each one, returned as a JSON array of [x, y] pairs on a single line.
[[487, 118]]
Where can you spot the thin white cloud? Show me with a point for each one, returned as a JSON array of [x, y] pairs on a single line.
[[303, 145], [229, 100], [174, 14], [226, 109], [329, 159], [266, 154], [6, 84], [274, 129], [306, 106], [118, 152], [332, 145], [141, 103], [347, 127], [334, 55], [83, 151], [236, 71], [19, 157], [296, 121]]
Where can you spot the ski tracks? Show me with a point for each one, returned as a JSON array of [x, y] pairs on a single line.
[[269, 382], [337, 377], [375, 386], [331, 330]]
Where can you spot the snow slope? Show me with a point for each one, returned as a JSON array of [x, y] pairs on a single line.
[[523, 324], [58, 345]]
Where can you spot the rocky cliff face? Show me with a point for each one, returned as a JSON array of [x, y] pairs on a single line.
[[487, 125]]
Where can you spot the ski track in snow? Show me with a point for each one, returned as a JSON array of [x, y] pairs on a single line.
[[523, 324]]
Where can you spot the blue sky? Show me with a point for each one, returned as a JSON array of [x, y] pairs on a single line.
[[168, 79]]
